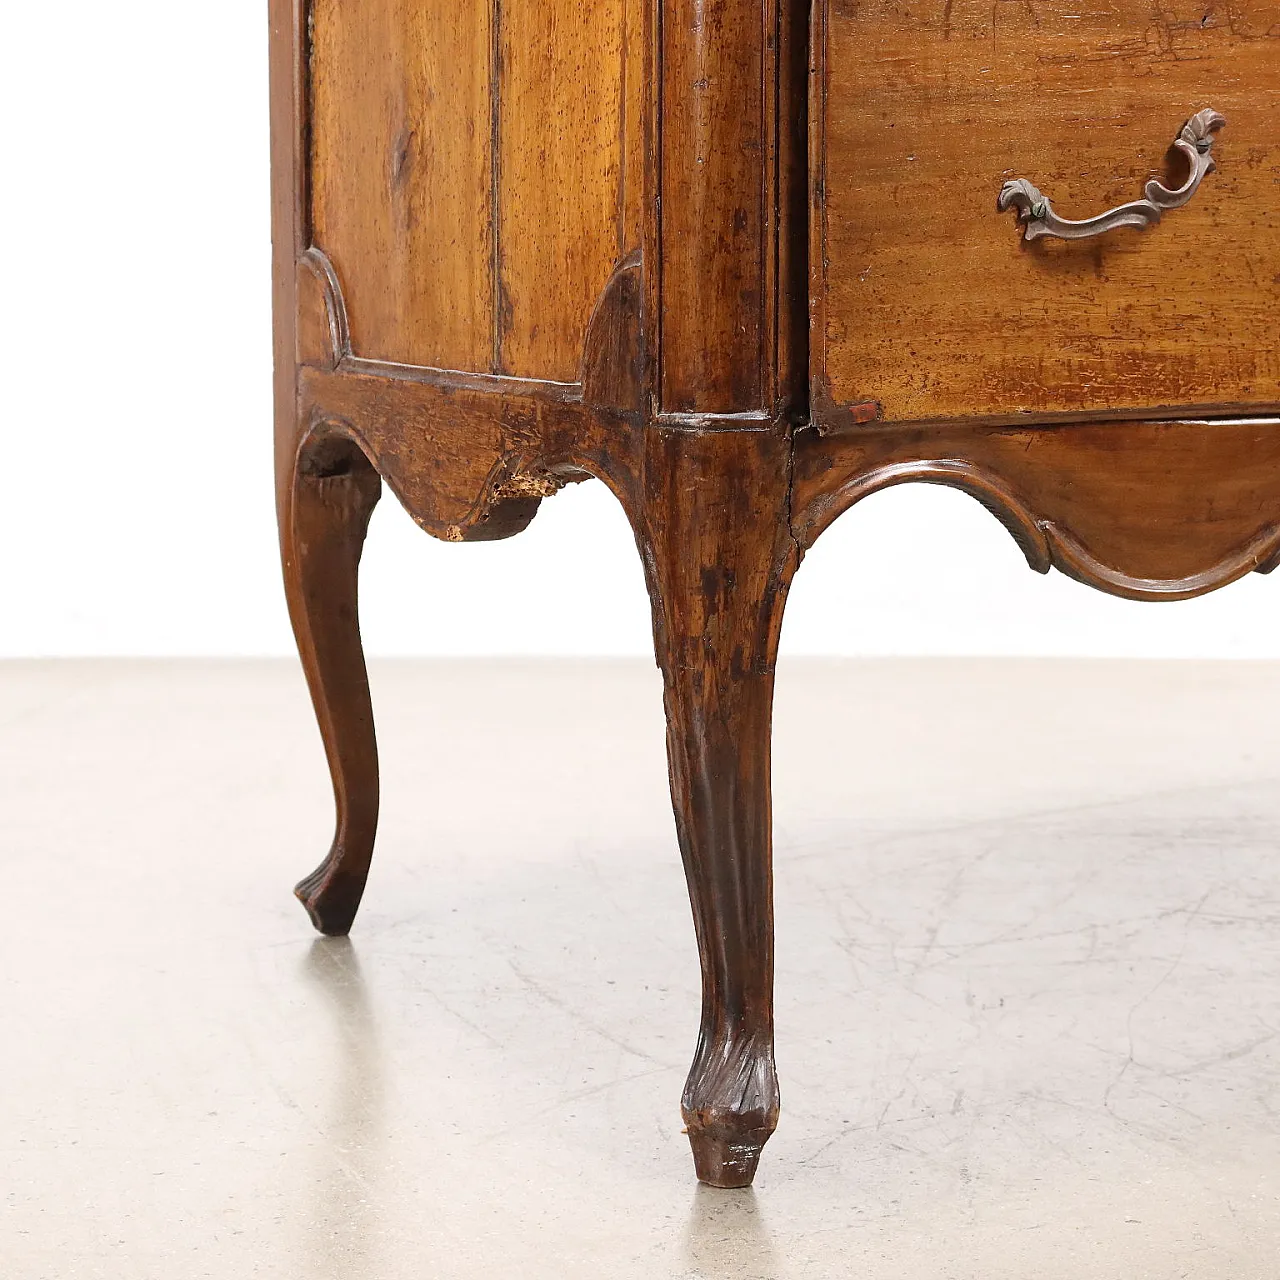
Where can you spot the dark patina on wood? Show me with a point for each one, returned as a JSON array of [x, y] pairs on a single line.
[[522, 245]]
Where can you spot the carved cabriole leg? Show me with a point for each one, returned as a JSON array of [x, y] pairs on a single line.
[[719, 558], [327, 492]]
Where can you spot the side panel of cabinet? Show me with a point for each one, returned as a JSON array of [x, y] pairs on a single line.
[[561, 174], [474, 173], [401, 158]]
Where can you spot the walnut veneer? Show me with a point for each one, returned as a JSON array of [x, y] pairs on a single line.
[[744, 263]]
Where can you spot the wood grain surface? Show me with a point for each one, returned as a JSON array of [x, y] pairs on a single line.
[[401, 163], [725, 245], [929, 301], [469, 174], [712, 173], [560, 174]]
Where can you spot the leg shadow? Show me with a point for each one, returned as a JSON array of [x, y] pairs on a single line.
[[727, 1238], [345, 1212]]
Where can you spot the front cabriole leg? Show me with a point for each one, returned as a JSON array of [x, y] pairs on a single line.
[[719, 557]]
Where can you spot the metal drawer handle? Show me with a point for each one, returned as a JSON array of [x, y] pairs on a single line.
[[1038, 218]]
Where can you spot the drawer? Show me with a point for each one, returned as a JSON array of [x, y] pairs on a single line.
[[929, 302]]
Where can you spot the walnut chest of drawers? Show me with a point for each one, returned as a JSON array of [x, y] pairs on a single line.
[[748, 261]]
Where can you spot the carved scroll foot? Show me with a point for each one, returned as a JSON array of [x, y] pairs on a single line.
[[720, 559], [327, 495], [730, 1104], [331, 898]]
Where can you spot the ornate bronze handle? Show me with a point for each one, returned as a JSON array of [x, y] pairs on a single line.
[[1038, 218]]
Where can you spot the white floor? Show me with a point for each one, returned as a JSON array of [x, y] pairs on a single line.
[[1028, 979]]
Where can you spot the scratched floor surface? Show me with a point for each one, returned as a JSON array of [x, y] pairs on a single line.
[[1028, 987]]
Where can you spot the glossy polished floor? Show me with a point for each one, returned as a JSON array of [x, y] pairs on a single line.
[[1028, 988]]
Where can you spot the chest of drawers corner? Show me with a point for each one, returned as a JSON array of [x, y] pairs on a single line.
[[747, 262]]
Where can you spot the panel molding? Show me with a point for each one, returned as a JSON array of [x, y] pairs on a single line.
[[611, 357]]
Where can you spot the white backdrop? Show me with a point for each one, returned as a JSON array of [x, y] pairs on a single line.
[[137, 514]]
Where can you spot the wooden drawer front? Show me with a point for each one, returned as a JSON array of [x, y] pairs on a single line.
[[929, 300]]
